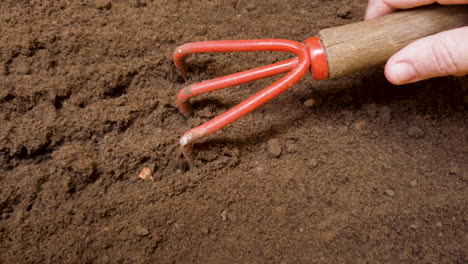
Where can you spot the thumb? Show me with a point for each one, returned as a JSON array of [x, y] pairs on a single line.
[[442, 54]]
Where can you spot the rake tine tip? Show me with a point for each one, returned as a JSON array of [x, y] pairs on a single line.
[[179, 60], [185, 107], [187, 151]]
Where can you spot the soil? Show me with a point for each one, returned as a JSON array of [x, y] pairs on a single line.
[[352, 170]]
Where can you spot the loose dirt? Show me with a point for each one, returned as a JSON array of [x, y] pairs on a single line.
[[353, 170]]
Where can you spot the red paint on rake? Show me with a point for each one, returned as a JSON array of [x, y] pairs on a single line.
[[231, 80], [297, 68]]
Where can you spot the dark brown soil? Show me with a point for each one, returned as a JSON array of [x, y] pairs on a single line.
[[368, 173]]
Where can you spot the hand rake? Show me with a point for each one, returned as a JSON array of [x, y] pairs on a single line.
[[334, 53]]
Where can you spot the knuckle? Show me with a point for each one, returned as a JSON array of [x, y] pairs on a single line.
[[445, 61]]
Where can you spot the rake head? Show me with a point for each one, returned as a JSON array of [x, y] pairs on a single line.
[[309, 53]]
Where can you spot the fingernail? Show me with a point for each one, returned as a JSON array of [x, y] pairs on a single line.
[[401, 73]]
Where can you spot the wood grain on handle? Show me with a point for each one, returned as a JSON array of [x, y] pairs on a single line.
[[354, 47]]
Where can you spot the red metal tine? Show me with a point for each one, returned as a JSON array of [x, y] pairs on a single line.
[[229, 46], [247, 106], [231, 80]]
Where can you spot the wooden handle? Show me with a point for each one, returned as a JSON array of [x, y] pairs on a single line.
[[354, 47]]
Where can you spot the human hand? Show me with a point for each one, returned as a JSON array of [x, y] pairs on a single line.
[[442, 54]]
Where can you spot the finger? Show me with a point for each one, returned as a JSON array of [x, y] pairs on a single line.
[[377, 8], [406, 4], [443, 54]]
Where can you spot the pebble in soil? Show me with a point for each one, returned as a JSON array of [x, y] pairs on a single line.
[[274, 148]]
